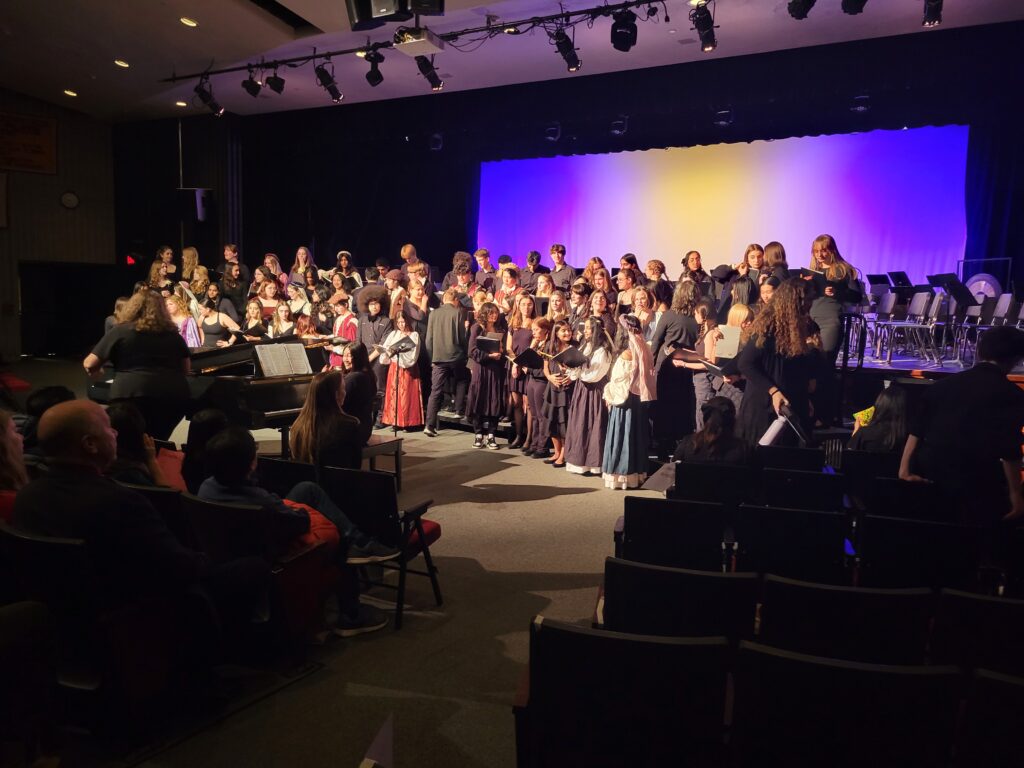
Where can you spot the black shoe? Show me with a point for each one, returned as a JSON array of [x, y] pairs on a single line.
[[549, 461], [527, 449], [492, 443], [478, 441], [527, 453], [517, 443], [371, 552], [368, 619], [541, 455], [430, 432], [558, 464]]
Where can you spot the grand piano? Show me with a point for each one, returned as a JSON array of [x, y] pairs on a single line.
[[231, 380]]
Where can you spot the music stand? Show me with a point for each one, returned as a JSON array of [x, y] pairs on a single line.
[[956, 290]]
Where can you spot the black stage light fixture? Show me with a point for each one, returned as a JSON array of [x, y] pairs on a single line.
[[623, 30], [370, 14], [853, 7], [567, 50], [326, 80], [374, 76], [799, 9], [427, 70], [704, 23], [275, 83], [252, 85], [932, 13], [205, 94]]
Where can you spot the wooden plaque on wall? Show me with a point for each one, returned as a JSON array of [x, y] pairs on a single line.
[[28, 143]]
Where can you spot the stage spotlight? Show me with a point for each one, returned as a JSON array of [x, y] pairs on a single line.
[[567, 50], [205, 94], [623, 30], [853, 7], [704, 23], [375, 59], [326, 80], [932, 13], [252, 85], [427, 70], [275, 83], [799, 9]]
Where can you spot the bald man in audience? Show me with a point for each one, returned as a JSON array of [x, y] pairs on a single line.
[[134, 553]]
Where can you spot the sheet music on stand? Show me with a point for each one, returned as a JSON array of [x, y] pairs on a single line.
[[282, 359]]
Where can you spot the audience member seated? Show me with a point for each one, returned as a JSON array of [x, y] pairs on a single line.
[[323, 434], [231, 459], [203, 425], [135, 554], [716, 442], [36, 404], [136, 452], [967, 438], [360, 388], [886, 431], [12, 465]]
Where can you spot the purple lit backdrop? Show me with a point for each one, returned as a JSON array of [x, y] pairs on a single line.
[[894, 200]]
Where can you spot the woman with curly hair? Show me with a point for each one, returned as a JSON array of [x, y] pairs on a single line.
[[778, 361], [150, 361]]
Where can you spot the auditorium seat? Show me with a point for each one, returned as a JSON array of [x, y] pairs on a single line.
[[675, 602], [862, 468], [167, 501], [602, 699], [717, 484], [281, 475], [783, 457], [975, 631], [370, 500], [890, 497], [678, 534], [170, 460], [797, 543], [897, 552], [881, 626], [991, 735], [803, 711], [796, 489]]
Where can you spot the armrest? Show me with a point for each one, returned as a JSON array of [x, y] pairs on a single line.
[[415, 513], [293, 557]]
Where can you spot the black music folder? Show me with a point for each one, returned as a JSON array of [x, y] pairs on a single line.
[[529, 358], [488, 344], [570, 357]]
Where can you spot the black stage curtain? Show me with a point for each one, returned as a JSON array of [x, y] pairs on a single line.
[[994, 200]]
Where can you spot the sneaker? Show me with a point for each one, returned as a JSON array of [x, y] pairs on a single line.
[[430, 432], [368, 619], [492, 443], [370, 552], [478, 441]]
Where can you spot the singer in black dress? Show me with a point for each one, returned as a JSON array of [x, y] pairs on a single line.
[[486, 399], [778, 362], [558, 393]]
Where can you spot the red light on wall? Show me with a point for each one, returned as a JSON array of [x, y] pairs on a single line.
[[129, 260]]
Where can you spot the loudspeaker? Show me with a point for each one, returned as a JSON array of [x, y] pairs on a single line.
[[370, 14]]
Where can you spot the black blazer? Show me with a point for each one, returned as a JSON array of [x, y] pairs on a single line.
[[674, 330]]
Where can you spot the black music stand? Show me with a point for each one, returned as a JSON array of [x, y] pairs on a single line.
[[953, 288], [404, 344]]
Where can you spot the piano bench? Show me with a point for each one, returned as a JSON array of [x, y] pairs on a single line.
[[382, 445]]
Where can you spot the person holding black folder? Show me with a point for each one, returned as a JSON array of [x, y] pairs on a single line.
[[486, 399], [588, 416], [536, 385], [673, 413], [520, 336], [779, 362], [559, 391]]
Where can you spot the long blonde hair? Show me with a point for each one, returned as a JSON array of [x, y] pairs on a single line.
[[189, 261], [12, 467], [840, 268], [154, 274], [200, 280]]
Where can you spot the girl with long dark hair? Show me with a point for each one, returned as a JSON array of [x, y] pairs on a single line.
[[887, 430], [558, 393], [588, 416], [323, 434], [486, 399], [716, 442]]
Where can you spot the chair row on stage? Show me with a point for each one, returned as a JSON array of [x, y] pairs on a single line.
[[932, 328]]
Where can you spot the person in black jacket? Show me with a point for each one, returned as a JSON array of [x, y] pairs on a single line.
[[674, 412], [374, 326], [445, 342], [967, 437]]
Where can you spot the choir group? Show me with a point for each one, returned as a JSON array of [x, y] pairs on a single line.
[[594, 370]]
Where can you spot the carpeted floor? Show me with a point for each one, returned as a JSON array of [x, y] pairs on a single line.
[[519, 538]]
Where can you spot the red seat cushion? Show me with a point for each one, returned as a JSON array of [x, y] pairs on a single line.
[[431, 533], [170, 463], [14, 383]]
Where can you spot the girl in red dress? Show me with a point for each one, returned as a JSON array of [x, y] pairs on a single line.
[[403, 402]]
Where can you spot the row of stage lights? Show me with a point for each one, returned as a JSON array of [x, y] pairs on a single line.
[[558, 27], [799, 9]]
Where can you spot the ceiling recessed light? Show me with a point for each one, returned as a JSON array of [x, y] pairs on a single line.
[[69, 92], [188, 22], [180, 104], [122, 63]]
